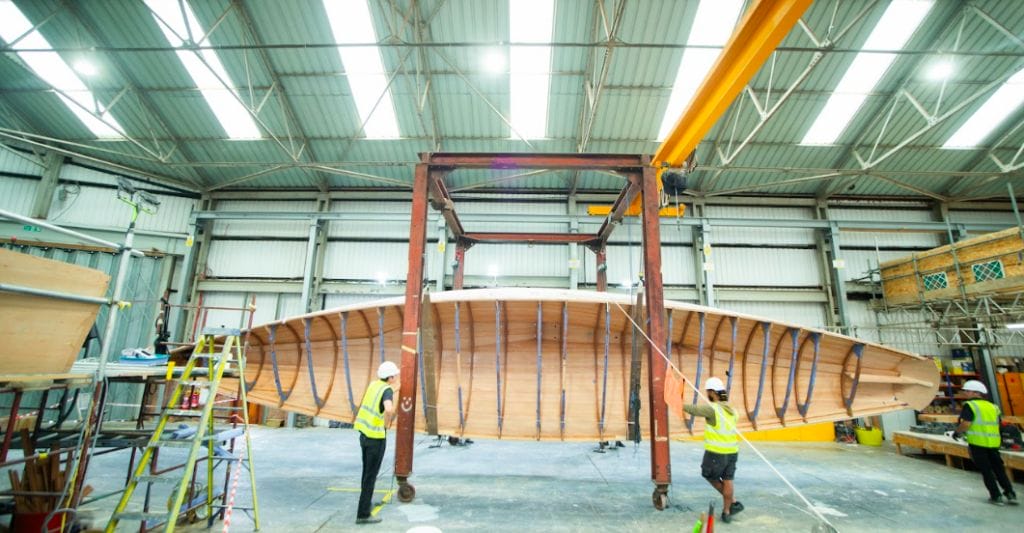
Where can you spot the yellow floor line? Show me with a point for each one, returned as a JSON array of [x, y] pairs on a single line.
[[346, 489], [384, 501]]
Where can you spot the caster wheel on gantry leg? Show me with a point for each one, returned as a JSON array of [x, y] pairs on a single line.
[[660, 499], [406, 492]]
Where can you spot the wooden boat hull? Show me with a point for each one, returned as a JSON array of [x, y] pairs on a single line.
[[553, 364], [41, 334]]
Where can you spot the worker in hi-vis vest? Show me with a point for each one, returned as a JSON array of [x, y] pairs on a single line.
[[979, 420], [721, 444], [376, 412]]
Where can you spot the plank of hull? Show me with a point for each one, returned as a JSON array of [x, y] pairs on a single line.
[[555, 365], [41, 334]]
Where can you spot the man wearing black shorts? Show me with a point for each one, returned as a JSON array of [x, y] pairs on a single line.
[[721, 444]]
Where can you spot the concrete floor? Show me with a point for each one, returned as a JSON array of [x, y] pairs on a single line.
[[308, 482]]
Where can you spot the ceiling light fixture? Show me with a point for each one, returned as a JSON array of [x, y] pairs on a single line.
[[351, 23], [494, 62], [86, 67], [712, 26], [996, 110], [52, 69], [940, 70], [205, 69], [530, 21]]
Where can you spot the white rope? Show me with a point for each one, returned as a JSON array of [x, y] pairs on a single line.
[[738, 433]]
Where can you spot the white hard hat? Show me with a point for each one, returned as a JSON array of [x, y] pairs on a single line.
[[714, 384], [976, 386], [387, 369]]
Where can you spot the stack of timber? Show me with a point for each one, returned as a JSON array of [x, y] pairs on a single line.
[[552, 364], [42, 334], [42, 475], [989, 264]]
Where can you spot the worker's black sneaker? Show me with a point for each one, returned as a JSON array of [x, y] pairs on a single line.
[[735, 507], [726, 518], [1011, 497], [369, 520], [998, 500]]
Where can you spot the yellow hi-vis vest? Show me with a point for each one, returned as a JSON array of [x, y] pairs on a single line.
[[721, 437], [370, 421], [984, 429]]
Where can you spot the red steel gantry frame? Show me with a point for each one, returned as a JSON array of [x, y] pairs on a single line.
[[429, 186]]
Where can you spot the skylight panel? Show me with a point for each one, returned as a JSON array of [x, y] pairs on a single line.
[[899, 22], [52, 69], [1007, 98], [207, 73], [712, 26], [530, 21], [351, 24]]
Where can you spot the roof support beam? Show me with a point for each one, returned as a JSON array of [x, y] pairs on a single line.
[[593, 91], [32, 141], [764, 112], [860, 138], [764, 26], [323, 184], [132, 85]]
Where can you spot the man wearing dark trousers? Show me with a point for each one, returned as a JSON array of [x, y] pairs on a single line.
[[376, 412], [721, 444], [979, 420]]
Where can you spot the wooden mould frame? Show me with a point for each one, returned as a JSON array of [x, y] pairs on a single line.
[[522, 363]]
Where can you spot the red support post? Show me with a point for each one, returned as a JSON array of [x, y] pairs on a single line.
[[661, 466], [410, 335], [12, 422], [602, 270], [460, 266]]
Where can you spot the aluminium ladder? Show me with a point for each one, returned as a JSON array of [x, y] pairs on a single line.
[[205, 437]]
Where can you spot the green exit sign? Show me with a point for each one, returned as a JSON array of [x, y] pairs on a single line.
[[29, 227]]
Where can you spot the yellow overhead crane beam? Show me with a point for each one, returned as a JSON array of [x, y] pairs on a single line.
[[763, 27]]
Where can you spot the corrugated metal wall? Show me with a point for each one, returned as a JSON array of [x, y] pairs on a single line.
[[762, 236], [799, 313], [20, 162], [886, 239], [82, 204], [267, 229], [256, 259], [16, 194], [378, 230], [766, 267], [859, 263]]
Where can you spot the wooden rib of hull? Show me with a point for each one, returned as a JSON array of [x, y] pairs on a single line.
[[555, 364]]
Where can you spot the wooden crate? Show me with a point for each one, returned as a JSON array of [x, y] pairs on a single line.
[[913, 278]]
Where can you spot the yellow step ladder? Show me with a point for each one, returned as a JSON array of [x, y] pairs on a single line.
[[205, 369]]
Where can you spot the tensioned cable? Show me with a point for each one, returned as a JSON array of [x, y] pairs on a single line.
[[752, 447]]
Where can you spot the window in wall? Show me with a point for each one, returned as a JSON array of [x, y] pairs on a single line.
[[988, 271], [935, 281]]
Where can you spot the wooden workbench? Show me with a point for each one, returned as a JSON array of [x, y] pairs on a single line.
[[35, 381], [941, 444], [951, 419]]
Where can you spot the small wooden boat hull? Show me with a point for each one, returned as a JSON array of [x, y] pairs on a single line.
[[39, 334], [553, 364]]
